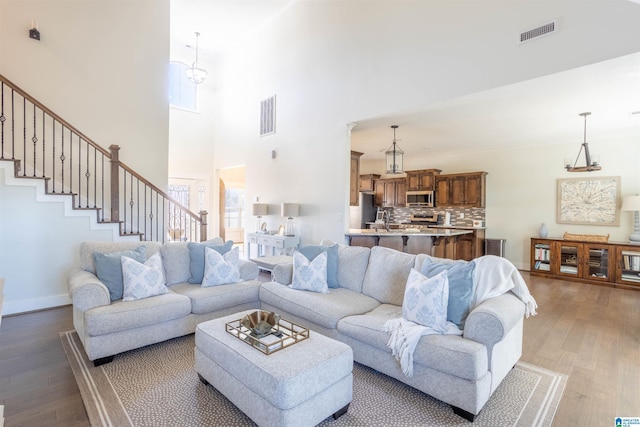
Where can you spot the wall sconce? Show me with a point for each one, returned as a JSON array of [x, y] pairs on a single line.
[[258, 210], [632, 203], [289, 210], [34, 33]]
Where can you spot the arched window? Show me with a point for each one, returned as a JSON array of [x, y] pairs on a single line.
[[182, 92]]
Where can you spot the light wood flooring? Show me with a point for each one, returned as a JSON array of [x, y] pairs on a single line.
[[589, 332]]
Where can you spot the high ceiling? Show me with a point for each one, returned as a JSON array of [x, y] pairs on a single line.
[[542, 111]]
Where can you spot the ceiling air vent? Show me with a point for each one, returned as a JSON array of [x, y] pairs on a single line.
[[268, 116], [542, 30]]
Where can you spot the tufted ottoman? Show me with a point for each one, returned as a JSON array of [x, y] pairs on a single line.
[[300, 385]]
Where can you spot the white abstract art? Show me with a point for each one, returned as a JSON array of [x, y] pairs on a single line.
[[589, 201]]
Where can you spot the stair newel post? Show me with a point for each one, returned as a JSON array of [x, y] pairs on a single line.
[[203, 225], [115, 182]]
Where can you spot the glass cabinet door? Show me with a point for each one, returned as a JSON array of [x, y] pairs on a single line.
[[569, 262], [629, 268], [597, 262]]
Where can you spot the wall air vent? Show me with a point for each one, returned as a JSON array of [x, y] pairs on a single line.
[[542, 30], [268, 116]]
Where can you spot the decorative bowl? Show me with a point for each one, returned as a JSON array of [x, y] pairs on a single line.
[[260, 323]]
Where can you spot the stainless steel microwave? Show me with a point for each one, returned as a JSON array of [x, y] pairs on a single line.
[[420, 198]]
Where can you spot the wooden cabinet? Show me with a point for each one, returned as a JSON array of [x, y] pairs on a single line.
[[354, 188], [424, 179], [390, 192], [613, 263], [367, 182], [461, 190]]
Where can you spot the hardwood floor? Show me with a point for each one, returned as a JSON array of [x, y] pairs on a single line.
[[589, 332]]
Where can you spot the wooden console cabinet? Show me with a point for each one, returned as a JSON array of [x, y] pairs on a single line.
[[610, 264]]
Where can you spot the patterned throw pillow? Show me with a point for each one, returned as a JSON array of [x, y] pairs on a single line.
[[312, 251], [425, 300], [220, 269], [461, 286], [109, 269], [142, 280], [310, 275], [196, 257]]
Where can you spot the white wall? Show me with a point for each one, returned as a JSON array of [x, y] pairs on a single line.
[[331, 63], [103, 66]]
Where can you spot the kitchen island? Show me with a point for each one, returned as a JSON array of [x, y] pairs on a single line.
[[434, 242]]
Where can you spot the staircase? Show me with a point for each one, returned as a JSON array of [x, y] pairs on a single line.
[[44, 147]]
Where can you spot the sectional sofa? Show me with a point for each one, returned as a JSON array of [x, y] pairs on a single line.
[[368, 290]]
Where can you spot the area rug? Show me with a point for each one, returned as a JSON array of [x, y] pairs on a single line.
[[158, 386]]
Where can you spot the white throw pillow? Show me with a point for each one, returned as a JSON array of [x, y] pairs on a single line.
[[425, 300], [310, 275], [220, 269], [142, 280]]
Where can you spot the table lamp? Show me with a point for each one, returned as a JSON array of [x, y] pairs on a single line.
[[259, 209], [632, 203], [289, 210]]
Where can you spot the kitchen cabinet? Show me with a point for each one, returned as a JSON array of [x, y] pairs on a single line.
[[422, 180], [354, 188], [612, 263], [390, 192], [367, 182], [461, 190], [467, 246]]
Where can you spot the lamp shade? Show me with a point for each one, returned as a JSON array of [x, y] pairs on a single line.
[[290, 210], [259, 209], [631, 203]]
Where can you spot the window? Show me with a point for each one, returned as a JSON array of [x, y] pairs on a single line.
[[234, 208], [182, 92]]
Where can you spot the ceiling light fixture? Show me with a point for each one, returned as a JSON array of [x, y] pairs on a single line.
[[194, 74], [395, 156], [591, 162]]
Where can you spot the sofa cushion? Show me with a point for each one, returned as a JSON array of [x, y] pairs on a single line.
[[220, 269], [322, 309], [461, 289], [352, 266], [109, 269], [451, 354], [196, 257], [387, 274], [214, 298], [312, 251], [425, 300], [310, 275], [142, 280], [176, 262], [88, 249], [122, 316]]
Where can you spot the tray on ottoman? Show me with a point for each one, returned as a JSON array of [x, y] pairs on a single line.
[[282, 335]]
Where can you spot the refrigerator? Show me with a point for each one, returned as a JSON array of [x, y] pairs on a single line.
[[364, 212]]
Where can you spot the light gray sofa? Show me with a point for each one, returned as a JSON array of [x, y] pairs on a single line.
[[107, 327], [462, 371]]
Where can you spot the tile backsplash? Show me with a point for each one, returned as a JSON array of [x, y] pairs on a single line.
[[400, 215]]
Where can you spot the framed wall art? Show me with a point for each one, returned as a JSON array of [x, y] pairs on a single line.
[[588, 201]]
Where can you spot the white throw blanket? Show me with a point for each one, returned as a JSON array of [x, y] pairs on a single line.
[[493, 276]]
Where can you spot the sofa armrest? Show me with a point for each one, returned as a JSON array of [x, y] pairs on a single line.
[[282, 273], [86, 290], [493, 319], [248, 270]]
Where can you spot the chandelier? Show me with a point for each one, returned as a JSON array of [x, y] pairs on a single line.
[[591, 163], [194, 74], [394, 156]]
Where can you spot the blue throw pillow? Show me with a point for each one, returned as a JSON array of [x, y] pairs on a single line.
[[460, 275], [312, 251], [196, 257], [109, 269]]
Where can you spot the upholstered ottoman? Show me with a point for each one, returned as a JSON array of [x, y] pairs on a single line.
[[299, 385]]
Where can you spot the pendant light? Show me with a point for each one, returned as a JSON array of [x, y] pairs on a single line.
[[591, 163], [194, 74], [394, 156]]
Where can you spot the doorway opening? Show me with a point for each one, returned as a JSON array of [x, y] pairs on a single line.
[[232, 205]]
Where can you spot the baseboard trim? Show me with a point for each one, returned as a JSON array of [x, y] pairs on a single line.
[[35, 304]]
